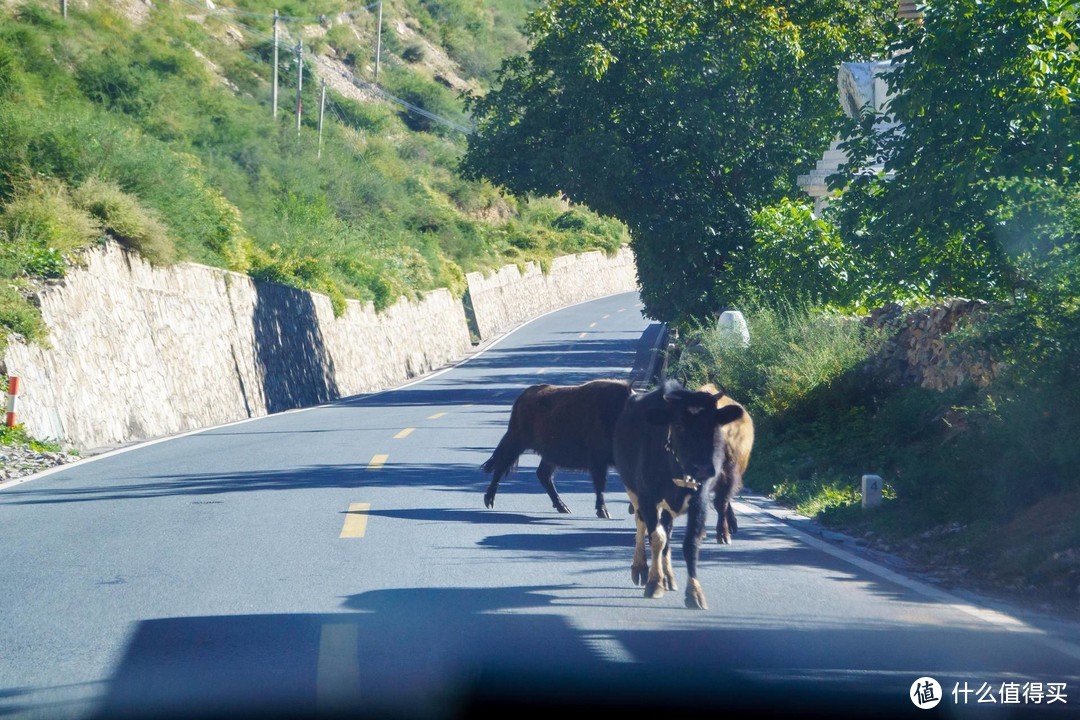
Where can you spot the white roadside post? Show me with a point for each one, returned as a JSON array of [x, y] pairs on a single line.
[[733, 324], [872, 489]]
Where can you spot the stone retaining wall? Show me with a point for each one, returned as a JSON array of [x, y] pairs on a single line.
[[506, 298], [137, 352], [917, 352]]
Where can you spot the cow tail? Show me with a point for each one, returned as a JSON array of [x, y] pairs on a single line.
[[504, 459]]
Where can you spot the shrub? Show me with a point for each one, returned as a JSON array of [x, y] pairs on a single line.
[[43, 216], [794, 352], [18, 316], [134, 226], [413, 53]]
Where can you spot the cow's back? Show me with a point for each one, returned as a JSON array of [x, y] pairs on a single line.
[[571, 426]]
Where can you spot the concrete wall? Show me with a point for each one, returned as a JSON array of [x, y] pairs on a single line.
[[137, 352]]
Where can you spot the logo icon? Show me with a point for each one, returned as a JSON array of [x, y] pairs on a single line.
[[925, 693]]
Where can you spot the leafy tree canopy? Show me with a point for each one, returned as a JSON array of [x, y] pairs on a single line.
[[977, 147], [679, 118]]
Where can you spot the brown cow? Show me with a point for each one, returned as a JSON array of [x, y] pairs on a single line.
[[568, 426], [739, 439]]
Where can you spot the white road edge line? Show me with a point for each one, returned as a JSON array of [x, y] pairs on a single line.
[[994, 617], [155, 441]]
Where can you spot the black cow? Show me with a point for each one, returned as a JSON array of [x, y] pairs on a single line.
[[568, 426], [671, 455]]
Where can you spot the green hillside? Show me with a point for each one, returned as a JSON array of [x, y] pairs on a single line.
[[153, 124]]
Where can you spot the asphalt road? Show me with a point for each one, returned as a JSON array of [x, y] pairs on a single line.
[[340, 560]]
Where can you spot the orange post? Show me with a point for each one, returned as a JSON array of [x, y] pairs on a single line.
[[13, 390]]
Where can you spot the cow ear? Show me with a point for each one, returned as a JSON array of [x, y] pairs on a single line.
[[657, 416], [728, 414], [721, 392]]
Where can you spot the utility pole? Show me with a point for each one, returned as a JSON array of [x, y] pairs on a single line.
[[322, 110], [378, 45], [274, 92], [299, 83], [63, 8]]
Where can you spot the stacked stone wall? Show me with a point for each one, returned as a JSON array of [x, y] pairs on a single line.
[[919, 353], [136, 352], [506, 298]]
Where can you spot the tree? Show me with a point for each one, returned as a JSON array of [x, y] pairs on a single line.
[[679, 118], [983, 125]]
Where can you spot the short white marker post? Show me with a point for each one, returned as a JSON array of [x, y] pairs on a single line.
[[871, 491], [13, 390], [731, 323]]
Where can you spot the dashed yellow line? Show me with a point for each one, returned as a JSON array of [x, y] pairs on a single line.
[[404, 433], [582, 335], [622, 309], [606, 317], [355, 520], [436, 416], [593, 325], [377, 461]]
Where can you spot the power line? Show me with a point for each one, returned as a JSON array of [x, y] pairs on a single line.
[[358, 82]]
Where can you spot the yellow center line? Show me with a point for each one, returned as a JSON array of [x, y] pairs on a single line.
[[541, 371], [404, 433], [436, 416], [582, 335], [593, 325], [606, 316], [355, 520], [377, 461], [622, 309]]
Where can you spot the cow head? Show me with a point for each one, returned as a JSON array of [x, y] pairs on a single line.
[[693, 420]]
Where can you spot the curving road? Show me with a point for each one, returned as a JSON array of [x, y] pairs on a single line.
[[339, 559]]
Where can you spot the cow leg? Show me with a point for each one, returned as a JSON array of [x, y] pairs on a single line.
[[639, 568], [668, 572], [599, 481], [726, 524], [695, 534], [654, 588], [544, 472]]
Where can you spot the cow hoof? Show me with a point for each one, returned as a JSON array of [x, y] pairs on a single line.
[[562, 508], [695, 598], [653, 589], [489, 500], [670, 584], [723, 540], [602, 513], [639, 573]]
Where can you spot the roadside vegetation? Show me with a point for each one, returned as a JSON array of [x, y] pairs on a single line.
[[967, 186], [154, 129]]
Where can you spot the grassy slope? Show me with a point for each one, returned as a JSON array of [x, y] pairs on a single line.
[[165, 111]]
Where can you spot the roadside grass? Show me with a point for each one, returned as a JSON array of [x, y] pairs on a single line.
[[982, 485]]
